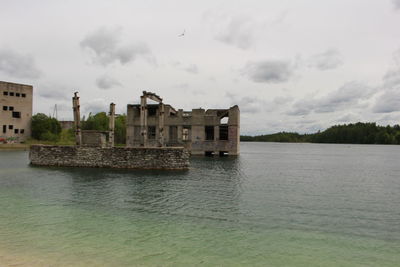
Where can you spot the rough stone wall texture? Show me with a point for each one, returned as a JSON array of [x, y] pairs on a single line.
[[174, 158]]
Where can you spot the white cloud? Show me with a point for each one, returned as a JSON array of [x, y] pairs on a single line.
[[190, 68], [330, 59], [237, 31]]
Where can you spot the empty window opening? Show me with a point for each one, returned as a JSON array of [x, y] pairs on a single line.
[[17, 94], [223, 132], [151, 132], [22, 131], [209, 132], [16, 131], [16, 114], [10, 108], [223, 153], [11, 93], [4, 128], [152, 111], [10, 127], [4, 107], [5, 93], [186, 133], [224, 120], [23, 95], [173, 133], [209, 153]]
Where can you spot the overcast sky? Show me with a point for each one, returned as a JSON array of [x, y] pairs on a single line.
[[290, 65]]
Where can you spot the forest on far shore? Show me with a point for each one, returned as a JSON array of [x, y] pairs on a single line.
[[354, 133]]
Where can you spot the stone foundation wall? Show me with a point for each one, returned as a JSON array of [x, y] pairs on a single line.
[[173, 158]]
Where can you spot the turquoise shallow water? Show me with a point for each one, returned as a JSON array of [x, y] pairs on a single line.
[[274, 205]]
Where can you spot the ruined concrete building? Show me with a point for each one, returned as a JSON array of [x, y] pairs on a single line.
[[15, 111], [92, 138], [212, 131]]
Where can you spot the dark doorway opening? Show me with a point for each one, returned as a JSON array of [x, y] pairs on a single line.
[[209, 133]]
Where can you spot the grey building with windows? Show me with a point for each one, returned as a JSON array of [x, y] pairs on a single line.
[[15, 111], [211, 131]]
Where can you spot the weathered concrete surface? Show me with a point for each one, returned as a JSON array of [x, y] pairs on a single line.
[[172, 158], [15, 111], [200, 131]]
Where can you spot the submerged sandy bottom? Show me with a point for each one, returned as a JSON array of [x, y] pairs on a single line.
[[275, 205]]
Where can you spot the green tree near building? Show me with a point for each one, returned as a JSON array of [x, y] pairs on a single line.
[[99, 122], [45, 128]]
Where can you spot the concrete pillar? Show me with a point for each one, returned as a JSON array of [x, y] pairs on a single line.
[[143, 119], [130, 127], [180, 130], [77, 119], [216, 140], [216, 133], [111, 125], [161, 125]]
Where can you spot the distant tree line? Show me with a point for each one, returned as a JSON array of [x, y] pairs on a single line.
[[357, 133], [45, 128]]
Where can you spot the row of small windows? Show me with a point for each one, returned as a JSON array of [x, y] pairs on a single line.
[[14, 94], [11, 127], [10, 108], [15, 114]]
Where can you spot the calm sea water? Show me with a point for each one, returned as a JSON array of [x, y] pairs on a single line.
[[274, 205]]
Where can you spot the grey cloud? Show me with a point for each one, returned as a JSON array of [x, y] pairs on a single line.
[[106, 82], [281, 100], [182, 86], [301, 108], [348, 95], [238, 31], [53, 92], [396, 4], [348, 118], [95, 106], [327, 60], [191, 68], [106, 48], [269, 71], [388, 102], [246, 104], [391, 79], [18, 65]]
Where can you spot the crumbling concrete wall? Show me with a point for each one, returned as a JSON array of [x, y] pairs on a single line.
[[94, 138], [192, 125], [112, 157]]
